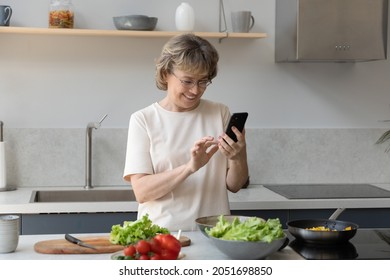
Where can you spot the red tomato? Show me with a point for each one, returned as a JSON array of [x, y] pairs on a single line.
[[168, 255], [156, 257], [158, 237], [155, 246], [129, 251], [170, 243], [170, 246], [142, 247], [144, 257]]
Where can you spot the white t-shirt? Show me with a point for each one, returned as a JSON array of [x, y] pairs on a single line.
[[160, 140]]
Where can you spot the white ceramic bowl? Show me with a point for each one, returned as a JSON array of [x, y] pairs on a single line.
[[135, 22]]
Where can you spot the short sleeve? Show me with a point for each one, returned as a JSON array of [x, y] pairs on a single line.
[[138, 158]]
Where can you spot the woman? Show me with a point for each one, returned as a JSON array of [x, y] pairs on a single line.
[[177, 165]]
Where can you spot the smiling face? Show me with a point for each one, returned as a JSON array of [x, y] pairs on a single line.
[[185, 68], [184, 91]]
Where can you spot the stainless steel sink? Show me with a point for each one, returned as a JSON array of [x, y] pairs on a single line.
[[92, 195]]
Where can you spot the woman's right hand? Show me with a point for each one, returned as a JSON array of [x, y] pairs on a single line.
[[202, 152], [148, 187]]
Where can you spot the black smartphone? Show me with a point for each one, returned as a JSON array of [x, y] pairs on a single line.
[[238, 120]]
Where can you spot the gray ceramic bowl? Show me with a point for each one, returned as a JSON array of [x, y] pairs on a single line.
[[135, 22], [211, 221], [247, 250]]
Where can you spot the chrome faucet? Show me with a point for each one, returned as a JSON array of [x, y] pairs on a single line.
[[1, 131], [88, 153]]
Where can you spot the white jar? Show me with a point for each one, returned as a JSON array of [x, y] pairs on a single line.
[[185, 17]]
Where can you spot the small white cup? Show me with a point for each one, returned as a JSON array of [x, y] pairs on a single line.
[[242, 21], [9, 233]]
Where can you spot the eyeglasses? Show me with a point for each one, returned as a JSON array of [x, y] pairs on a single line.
[[188, 84]]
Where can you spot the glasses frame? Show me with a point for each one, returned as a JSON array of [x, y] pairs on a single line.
[[188, 84]]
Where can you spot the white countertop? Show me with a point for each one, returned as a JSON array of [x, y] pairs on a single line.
[[201, 248], [255, 197]]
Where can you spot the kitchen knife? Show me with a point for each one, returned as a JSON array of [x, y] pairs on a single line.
[[77, 241]]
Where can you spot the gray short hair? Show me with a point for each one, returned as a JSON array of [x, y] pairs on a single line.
[[187, 53]]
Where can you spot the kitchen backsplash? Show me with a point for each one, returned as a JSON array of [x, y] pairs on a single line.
[[56, 157]]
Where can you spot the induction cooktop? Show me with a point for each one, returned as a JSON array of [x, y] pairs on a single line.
[[367, 244], [329, 191]]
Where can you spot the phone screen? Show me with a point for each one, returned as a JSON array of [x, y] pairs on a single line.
[[238, 120]]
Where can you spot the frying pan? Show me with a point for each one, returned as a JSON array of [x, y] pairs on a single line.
[[337, 234]]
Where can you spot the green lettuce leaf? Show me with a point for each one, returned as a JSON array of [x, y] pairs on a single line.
[[133, 231], [252, 229]]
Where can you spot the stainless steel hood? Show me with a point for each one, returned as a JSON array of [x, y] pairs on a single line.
[[331, 30]]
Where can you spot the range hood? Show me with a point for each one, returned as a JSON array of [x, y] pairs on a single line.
[[331, 30]]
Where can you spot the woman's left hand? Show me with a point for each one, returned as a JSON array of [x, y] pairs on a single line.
[[238, 172], [233, 150]]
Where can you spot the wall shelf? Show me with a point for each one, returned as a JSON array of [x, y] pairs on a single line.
[[123, 33]]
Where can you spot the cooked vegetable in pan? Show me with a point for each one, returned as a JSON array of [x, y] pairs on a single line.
[[322, 228]]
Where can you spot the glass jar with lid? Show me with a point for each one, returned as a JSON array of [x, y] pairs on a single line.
[[61, 14]]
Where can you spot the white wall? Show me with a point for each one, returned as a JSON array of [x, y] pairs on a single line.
[[48, 83], [66, 82]]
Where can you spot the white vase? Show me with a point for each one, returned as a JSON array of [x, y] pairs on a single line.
[[185, 17]]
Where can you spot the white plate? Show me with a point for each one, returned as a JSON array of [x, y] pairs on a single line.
[[120, 253]]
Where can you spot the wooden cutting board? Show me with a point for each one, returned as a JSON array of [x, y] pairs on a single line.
[[102, 244], [62, 246]]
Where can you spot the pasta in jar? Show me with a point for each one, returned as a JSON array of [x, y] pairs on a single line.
[[61, 19], [61, 14]]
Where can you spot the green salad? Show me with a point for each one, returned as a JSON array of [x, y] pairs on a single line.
[[133, 231], [251, 229]]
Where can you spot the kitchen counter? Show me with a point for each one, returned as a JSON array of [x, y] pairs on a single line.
[[255, 197], [201, 248]]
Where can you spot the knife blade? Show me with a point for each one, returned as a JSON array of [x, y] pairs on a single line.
[[77, 241]]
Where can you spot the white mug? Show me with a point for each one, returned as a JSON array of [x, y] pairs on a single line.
[[242, 21]]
